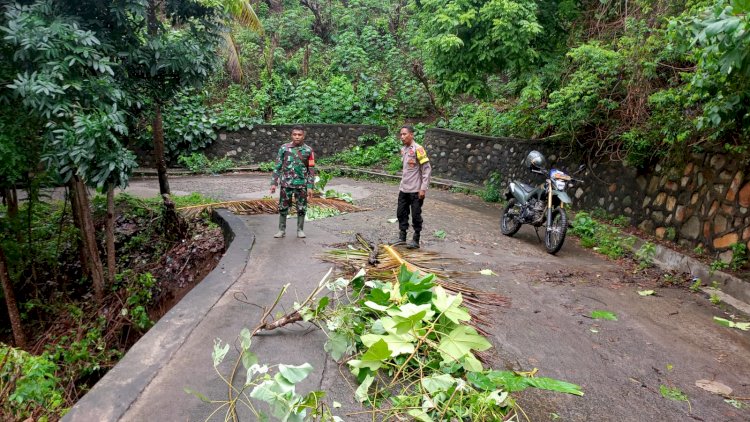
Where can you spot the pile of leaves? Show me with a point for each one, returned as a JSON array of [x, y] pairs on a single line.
[[407, 342]]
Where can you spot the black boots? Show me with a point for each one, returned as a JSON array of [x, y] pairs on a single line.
[[282, 226], [401, 238], [414, 243]]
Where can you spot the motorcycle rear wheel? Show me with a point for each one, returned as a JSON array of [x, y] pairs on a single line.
[[554, 235], [509, 223]]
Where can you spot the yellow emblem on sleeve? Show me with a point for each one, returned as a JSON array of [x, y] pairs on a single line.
[[422, 156]]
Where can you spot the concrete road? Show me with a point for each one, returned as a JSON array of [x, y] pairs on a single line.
[[668, 339]]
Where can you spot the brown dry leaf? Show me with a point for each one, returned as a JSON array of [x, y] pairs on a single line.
[[714, 387]]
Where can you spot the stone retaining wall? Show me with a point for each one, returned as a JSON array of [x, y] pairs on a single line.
[[704, 202], [262, 142]]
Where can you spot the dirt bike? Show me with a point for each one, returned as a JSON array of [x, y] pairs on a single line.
[[539, 206]]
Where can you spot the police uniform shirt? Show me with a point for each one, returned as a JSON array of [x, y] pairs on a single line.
[[415, 168]]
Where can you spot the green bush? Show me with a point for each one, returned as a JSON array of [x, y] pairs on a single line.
[[199, 163], [491, 191], [31, 385], [381, 152], [605, 239]]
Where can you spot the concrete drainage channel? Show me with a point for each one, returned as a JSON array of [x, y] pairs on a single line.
[[732, 290], [111, 397]]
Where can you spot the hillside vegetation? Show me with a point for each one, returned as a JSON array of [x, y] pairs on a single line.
[[635, 80]]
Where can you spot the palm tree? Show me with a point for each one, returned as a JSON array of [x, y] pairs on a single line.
[[242, 14]]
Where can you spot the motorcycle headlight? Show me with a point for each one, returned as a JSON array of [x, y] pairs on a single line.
[[560, 184]]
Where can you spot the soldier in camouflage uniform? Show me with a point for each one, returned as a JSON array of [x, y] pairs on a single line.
[[295, 172]]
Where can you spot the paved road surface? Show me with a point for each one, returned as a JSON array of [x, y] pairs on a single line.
[[620, 364]]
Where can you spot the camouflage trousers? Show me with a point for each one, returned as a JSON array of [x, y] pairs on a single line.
[[285, 200]]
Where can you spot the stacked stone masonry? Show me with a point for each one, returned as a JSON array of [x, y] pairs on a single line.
[[704, 202], [261, 143]]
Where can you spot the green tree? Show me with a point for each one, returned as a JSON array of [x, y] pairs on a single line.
[[465, 41]]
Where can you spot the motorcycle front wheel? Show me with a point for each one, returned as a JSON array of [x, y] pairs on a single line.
[[554, 236], [509, 223]]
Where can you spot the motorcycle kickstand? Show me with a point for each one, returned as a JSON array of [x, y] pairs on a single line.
[[536, 230]]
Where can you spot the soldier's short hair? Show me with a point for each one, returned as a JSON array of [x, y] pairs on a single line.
[[298, 127], [410, 128]]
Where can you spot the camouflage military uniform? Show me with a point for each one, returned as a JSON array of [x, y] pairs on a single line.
[[294, 173]]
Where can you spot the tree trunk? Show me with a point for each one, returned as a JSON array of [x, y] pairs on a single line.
[[77, 222], [86, 227], [418, 72], [161, 164], [10, 196], [110, 235], [306, 60], [10, 302]]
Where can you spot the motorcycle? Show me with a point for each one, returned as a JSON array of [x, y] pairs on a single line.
[[539, 206]]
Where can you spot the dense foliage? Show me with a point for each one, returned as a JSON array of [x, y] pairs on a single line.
[[641, 81], [636, 80]]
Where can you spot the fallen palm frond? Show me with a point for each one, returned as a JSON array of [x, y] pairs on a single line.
[[264, 206], [389, 259]]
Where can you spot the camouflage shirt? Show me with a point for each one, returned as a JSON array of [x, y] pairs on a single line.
[[295, 167]]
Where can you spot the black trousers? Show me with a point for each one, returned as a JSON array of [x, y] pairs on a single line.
[[409, 202]]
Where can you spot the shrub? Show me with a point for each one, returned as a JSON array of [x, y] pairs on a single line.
[[30, 384]]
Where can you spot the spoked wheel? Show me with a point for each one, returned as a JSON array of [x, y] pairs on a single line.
[[509, 223], [554, 236]]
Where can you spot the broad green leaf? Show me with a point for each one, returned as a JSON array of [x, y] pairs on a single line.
[[245, 337], [646, 292], [471, 363], [435, 383], [219, 352], [404, 275], [408, 317], [248, 359], [264, 392], [740, 6], [361, 393], [419, 415], [295, 374], [338, 345], [555, 385], [480, 381], [449, 305], [322, 303], [744, 326], [398, 343], [312, 399], [508, 380], [379, 296], [412, 312], [374, 357], [372, 305], [460, 342], [599, 314]]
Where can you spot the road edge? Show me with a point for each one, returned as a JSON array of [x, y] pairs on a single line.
[[112, 396]]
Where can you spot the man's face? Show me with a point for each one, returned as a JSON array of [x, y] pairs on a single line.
[[298, 136], [406, 137]]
